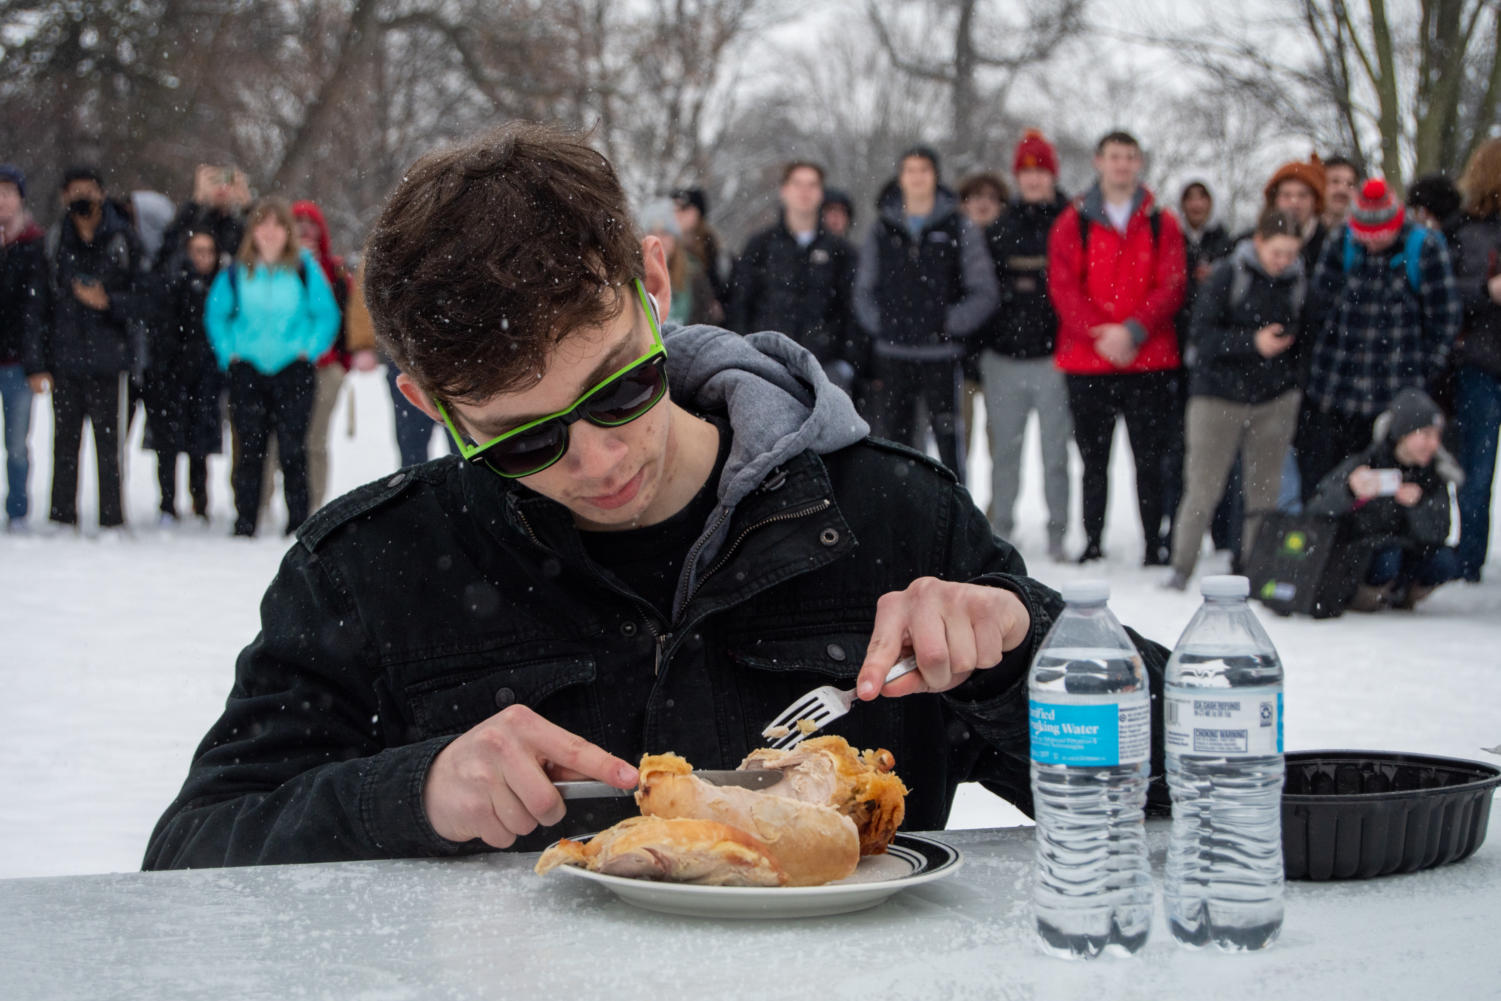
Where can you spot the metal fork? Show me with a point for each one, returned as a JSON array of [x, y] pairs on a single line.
[[820, 707]]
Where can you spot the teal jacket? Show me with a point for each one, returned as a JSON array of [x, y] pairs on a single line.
[[279, 317]]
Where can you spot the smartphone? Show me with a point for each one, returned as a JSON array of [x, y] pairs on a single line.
[[1387, 481]]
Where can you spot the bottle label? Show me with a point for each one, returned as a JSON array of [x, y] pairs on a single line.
[[1223, 723], [1102, 735]]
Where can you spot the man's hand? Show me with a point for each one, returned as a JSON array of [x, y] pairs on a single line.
[[495, 782], [1363, 483], [1493, 286], [1270, 341], [92, 296], [40, 383], [952, 629], [1113, 342], [1408, 494]]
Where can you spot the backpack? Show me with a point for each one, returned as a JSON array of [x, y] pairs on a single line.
[[1240, 284], [1154, 220], [1409, 256]]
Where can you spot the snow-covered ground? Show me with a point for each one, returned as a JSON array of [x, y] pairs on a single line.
[[116, 654]]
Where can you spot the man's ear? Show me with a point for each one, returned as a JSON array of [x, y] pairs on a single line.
[[658, 280], [416, 397]]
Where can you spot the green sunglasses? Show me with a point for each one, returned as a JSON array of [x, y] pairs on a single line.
[[621, 398]]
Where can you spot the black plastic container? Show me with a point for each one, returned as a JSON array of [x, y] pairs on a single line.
[[1357, 814]]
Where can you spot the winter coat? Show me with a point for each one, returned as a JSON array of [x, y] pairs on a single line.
[[1127, 278], [183, 381], [272, 317], [921, 299], [1372, 333], [1211, 244], [79, 340], [1380, 521], [338, 280], [364, 672], [1238, 299], [1477, 258], [228, 229], [24, 302], [1025, 325], [803, 292]]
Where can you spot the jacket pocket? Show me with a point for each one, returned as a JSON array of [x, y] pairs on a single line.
[[457, 696], [772, 671]]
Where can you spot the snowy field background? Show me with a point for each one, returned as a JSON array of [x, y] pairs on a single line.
[[116, 654]]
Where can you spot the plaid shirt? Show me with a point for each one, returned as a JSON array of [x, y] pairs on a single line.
[[1373, 334]]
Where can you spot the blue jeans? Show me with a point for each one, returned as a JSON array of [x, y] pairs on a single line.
[[15, 399], [1478, 414], [1394, 564]]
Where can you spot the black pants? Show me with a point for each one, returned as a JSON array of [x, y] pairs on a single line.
[[1174, 448], [1326, 438], [166, 481], [259, 404], [893, 406], [1095, 400], [96, 397]]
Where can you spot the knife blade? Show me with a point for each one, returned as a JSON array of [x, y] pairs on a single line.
[[755, 778]]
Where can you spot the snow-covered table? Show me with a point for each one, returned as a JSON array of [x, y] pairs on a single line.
[[486, 927]]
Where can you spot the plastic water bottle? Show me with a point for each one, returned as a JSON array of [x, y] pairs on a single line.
[[1091, 727], [1223, 721]]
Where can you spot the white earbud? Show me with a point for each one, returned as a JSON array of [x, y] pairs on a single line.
[[656, 307]]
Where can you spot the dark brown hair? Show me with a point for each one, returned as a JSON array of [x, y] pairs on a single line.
[[1119, 138], [799, 165], [1275, 223], [490, 252], [975, 183]]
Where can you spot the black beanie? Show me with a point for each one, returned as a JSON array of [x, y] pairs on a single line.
[[1412, 410]]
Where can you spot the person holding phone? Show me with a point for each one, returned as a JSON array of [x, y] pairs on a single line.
[[1243, 386], [93, 258], [1394, 499], [221, 195]]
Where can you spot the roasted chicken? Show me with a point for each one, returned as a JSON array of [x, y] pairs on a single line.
[[833, 805]]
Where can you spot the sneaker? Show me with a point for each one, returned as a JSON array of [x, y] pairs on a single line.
[[17, 526], [1177, 581], [166, 520], [1091, 554]]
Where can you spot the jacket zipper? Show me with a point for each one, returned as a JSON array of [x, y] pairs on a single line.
[[724, 558]]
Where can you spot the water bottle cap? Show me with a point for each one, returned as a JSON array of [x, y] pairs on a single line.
[[1224, 586], [1086, 592]]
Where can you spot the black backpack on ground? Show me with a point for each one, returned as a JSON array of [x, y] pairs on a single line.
[[1306, 564]]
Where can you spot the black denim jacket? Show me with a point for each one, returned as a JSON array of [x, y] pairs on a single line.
[[413, 609]]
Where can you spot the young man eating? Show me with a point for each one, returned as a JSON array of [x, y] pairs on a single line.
[[654, 540]]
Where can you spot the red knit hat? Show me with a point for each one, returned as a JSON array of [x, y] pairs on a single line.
[[1377, 209], [1034, 151]]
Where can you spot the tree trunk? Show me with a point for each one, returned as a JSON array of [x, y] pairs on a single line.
[[300, 158]]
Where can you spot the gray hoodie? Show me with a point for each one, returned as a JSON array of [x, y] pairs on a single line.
[[780, 404]]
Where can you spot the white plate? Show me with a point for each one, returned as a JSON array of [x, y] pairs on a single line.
[[911, 860]]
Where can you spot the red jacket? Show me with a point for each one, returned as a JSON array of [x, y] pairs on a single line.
[[1127, 280]]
